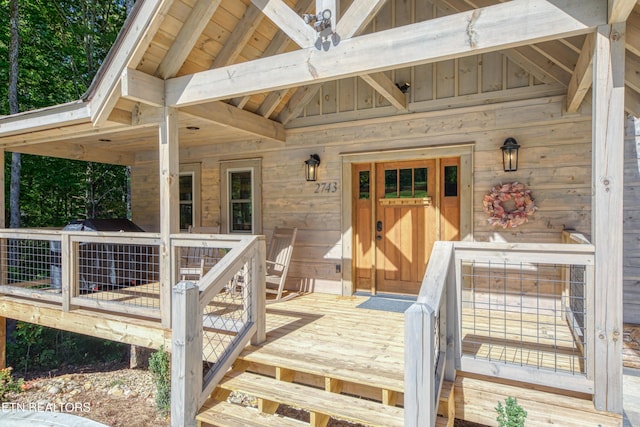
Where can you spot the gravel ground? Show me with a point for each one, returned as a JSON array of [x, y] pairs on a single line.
[[111, 394]]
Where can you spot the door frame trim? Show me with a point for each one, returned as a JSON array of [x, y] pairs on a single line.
[[463, 150]]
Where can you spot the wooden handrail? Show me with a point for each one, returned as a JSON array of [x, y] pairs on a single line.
[[427, 355], [189, 388]]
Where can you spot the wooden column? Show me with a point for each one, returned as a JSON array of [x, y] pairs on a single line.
[[3, 267], [186, 355], [169, 205], [606, 221]]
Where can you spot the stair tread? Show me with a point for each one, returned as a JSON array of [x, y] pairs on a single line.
[[394, 381], [225, 414], [314, 400]]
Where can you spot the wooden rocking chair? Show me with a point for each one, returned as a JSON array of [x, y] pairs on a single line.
[[278, 258]]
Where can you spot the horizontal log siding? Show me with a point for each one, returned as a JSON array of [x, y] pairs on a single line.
[[632, 222], [555, 163]]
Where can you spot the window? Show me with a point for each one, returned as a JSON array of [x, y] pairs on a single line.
[[241, 201], [189, 184], [405, 183]]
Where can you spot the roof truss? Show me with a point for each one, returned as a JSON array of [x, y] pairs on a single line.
[[502, 26]]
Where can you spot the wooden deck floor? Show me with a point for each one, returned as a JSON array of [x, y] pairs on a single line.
[[348, 343]]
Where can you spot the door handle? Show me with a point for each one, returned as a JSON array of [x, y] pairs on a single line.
[[379, 226], [378, 237]]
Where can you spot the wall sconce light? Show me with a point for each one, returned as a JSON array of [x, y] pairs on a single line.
[[510, 155], [311, 167]]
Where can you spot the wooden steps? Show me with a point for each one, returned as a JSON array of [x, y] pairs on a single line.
[[225, 414], [322, 405]]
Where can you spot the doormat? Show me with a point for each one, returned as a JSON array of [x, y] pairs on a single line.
[[396, 304]]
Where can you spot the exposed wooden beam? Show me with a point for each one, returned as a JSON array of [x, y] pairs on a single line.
[[632, 102], [357, 17], [582, 76], [607, 214], [385, 87], [186, 39], [354, 21], [277, 45], [271, 102], [239, 37], [230, 116], [538, 65], [561, 54], [141, 87], [619, 10], [502, 26], [632, 71], [288, 21], [33, 121], [633, 33], [129, 50], [69, 150]]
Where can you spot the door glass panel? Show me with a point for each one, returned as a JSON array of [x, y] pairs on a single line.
[[420, 182], [391, 183], [451, 181], [364, 185], [406, 183]]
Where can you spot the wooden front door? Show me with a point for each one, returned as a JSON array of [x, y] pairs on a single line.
[[400, 210]]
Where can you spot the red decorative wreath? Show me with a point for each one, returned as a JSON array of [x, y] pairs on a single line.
[[498, 215]]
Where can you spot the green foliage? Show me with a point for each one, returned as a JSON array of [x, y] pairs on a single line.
[[160, 368], [511, 414], [36, 348], [8, 384]]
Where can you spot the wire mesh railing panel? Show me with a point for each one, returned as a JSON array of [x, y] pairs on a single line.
[[117, 273], [516, 313], [225, 318], [31, 265]]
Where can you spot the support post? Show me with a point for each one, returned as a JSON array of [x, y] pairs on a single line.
[[3, 271], [607, 214], [169, 206], [259, 292], [419, 366], [186, 355]]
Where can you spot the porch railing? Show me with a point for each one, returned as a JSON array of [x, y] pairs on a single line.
[[109, 271], [213, 319], [506, 310]]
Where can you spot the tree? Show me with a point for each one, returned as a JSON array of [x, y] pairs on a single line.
[[14, 48]]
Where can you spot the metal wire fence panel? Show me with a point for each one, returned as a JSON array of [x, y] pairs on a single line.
[[117, 273], [226, 317], [30, 265], [517, 313]]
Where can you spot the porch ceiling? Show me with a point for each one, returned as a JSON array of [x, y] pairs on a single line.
[[185, 37]]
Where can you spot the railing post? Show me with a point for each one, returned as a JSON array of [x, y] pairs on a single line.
[[68, 271], [419, 366], [259, 292], [186, 354], [452, 321]]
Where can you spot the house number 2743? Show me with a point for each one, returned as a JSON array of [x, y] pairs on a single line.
[[326, 187]]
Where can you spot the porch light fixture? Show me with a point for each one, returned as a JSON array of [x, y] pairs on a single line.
[[510, 155], [311, 167]]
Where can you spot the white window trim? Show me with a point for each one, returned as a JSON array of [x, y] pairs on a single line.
[[255, 167]]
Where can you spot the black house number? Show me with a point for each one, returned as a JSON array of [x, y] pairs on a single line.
[[326, 187]]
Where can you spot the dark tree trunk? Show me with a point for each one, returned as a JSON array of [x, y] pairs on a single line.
[[14, 46]]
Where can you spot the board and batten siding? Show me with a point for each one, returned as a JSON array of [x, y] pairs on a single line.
[[555, 163], [631, 299]]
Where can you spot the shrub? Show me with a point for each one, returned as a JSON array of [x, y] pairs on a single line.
[[9, 385], [160, 368], [511, 414]]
